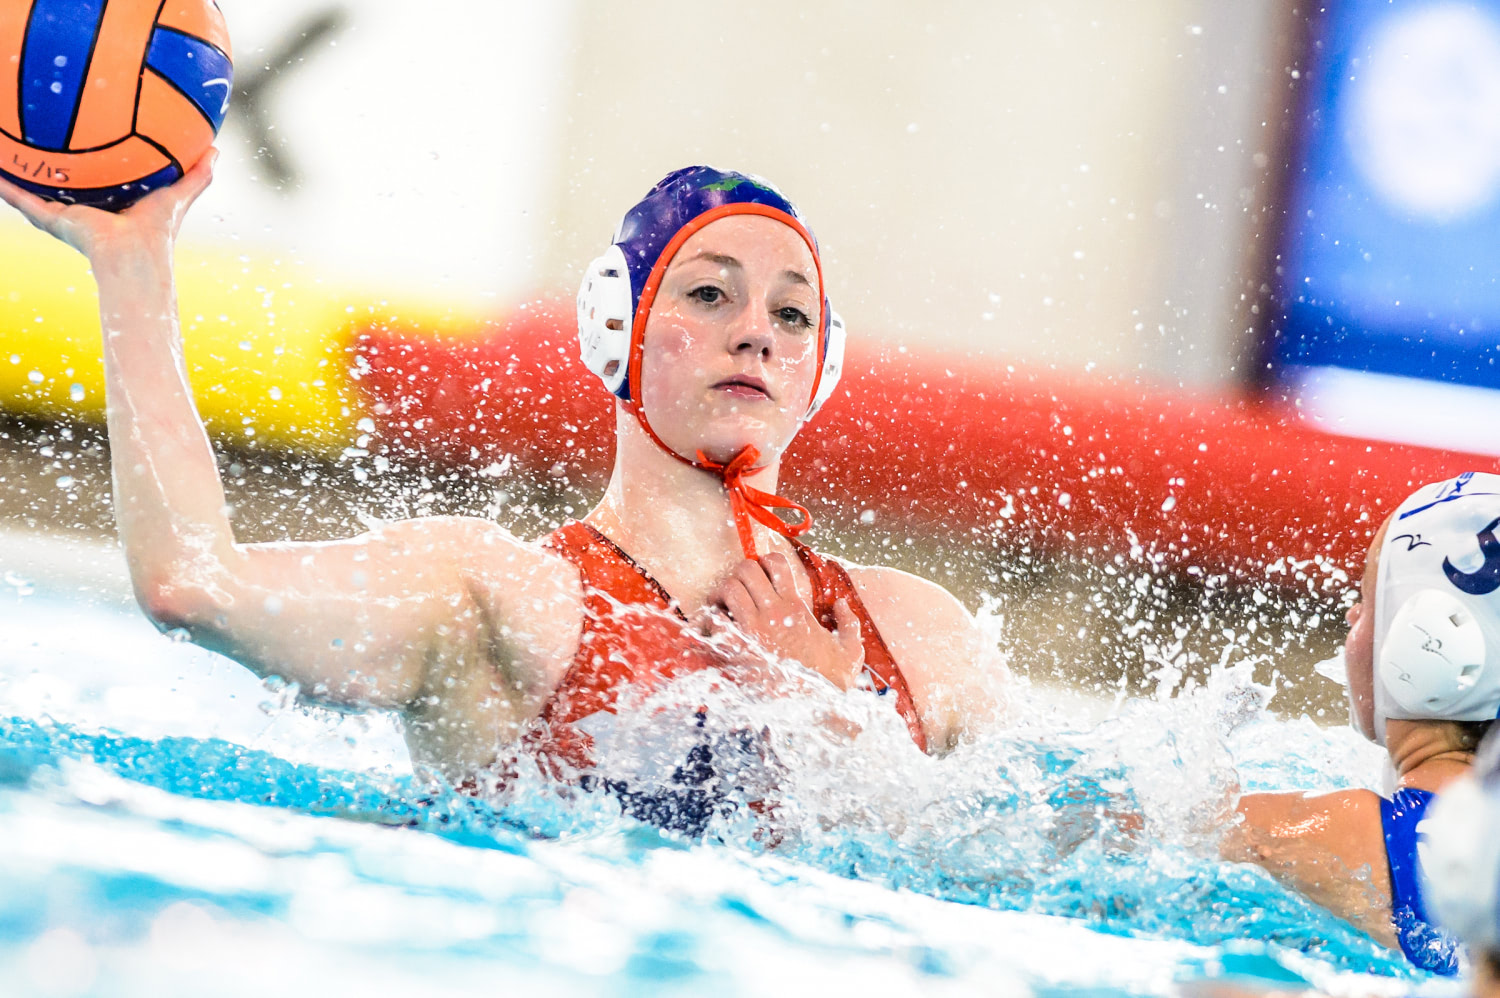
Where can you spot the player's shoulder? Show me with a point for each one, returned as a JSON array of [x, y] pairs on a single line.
[[897, 589], [433, 531], [948, 662], [488, 556]]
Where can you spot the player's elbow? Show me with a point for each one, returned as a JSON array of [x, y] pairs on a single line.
[[162, 603], [1238, 844], [1249, 837], [172, 601]]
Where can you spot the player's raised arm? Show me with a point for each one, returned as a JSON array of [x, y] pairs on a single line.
[[359, 622]]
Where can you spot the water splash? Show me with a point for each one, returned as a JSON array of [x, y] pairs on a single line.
[[1021, 860]]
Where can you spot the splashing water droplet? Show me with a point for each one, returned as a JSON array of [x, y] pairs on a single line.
[[1334, 669]]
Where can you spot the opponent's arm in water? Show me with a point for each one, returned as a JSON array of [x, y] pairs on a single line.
[[392, 618], [1330, 848]]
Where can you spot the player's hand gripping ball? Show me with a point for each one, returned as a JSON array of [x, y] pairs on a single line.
[[103, 101]]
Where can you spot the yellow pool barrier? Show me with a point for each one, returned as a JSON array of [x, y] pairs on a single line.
[[268, 343]]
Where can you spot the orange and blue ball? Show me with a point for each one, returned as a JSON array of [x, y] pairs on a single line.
[[104, 101]]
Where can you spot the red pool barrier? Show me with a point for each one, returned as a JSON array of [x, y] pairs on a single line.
[[945, 442]]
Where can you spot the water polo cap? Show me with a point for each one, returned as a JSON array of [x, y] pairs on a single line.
[[1437, 605], [619, 288], [1460, 859]]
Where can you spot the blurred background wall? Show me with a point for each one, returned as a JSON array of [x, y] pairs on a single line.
[[1069, 184], [1065, 184]]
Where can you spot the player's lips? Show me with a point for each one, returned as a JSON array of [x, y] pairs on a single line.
[[745, 386]]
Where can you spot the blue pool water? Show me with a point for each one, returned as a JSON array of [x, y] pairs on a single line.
[[171, 825]]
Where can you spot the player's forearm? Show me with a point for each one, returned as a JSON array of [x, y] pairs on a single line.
[[169, 502]]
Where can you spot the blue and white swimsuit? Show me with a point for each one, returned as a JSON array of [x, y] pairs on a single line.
[[1424, 944]]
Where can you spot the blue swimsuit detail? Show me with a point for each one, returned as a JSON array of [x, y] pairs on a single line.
[[1423, 943]]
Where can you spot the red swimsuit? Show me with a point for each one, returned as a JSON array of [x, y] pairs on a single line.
[[634, 633]]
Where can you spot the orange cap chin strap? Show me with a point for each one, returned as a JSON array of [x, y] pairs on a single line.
[[747, 502]]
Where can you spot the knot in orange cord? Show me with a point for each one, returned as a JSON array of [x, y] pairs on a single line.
[[746, 501]]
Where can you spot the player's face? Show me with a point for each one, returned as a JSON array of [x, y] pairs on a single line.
[[1359, 646], [731, 346]]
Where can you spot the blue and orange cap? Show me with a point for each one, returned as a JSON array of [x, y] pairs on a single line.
[[683, 202]]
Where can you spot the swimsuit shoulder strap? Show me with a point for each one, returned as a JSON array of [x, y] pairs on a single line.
[[831, 583], [1424, 945], [611, 651], [608, 572]]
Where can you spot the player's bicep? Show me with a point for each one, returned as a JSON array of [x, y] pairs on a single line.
[[356, 622]]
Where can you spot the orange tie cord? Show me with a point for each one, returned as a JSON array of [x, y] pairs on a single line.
[[746, 501]]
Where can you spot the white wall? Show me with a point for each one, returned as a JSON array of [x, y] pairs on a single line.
[[424, 136], [1063, 184]]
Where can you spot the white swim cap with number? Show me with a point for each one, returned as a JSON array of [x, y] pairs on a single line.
[[1437, 605]]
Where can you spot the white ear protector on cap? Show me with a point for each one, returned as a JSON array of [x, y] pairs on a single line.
[[1437, 618], [1432, 656], [606, 317], [833, 364]]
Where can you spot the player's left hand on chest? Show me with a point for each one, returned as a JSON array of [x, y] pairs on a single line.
[[761, 597]]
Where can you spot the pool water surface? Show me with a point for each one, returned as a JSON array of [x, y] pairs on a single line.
[[173, 825]]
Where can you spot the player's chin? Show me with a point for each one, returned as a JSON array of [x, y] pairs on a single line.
[[724, 438]]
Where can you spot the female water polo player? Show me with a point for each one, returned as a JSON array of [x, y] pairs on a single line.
[[709, 320], [1423, 675]]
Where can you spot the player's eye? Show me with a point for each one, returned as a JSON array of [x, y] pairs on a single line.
[[793, 316]]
